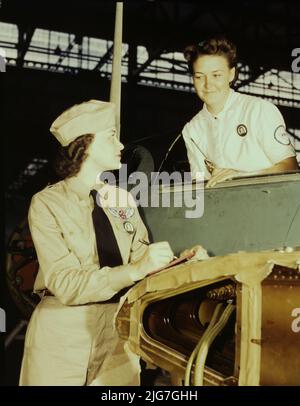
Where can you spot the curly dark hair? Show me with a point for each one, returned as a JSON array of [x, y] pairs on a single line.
[[218, 45], [69, 159]]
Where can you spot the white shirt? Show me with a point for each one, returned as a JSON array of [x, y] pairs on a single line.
[[247, 135]]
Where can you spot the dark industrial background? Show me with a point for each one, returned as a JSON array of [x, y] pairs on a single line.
[[153, 110]]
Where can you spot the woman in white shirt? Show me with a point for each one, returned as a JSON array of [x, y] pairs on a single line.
[[234, 134]]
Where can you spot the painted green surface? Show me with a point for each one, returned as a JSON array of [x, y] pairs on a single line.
[[243, 216]]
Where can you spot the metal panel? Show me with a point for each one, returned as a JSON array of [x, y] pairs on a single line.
[[280, 360], [251, 214]]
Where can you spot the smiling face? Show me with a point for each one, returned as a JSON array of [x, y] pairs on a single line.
[[105, 150], [211, 76]]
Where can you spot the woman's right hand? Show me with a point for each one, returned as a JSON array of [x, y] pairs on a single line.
[[156, 256], [220, 175], [197, 253]]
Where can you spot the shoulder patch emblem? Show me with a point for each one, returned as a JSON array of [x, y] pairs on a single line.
[[281, 135]]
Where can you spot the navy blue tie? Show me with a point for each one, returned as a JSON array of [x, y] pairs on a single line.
[[107, 245]]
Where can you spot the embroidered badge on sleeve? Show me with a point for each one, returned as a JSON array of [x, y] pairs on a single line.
[[281, 135]]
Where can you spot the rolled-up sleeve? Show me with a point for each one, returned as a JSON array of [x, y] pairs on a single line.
[[62, 271]]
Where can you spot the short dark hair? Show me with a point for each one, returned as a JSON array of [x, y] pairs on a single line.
[[218, 45], [69, 159]]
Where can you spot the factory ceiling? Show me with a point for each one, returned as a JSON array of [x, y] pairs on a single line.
[[266, 32]]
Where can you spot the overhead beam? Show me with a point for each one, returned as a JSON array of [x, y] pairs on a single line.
[[192, 17], [25, 35], [132, 62], [63, 55], [255, 73], [104, 58]]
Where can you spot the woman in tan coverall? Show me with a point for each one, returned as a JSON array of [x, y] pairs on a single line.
[[70, 339]]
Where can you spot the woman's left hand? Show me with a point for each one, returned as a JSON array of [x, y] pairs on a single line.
[[198, 253], [220, 174]]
